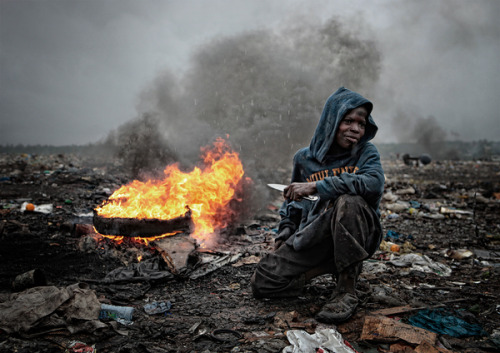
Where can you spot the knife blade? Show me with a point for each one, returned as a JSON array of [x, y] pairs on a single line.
[[282, 187]]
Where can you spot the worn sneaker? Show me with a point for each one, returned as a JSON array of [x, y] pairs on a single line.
[[340, 308]]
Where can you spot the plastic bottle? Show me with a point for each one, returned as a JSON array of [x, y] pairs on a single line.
[[116, 312]]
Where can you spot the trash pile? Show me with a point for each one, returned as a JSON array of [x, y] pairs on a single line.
[[431, 287]]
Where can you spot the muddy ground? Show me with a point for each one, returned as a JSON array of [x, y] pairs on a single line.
[[448, 211]]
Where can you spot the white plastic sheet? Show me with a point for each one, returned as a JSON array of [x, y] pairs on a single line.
[[420, 263], [326, 339]]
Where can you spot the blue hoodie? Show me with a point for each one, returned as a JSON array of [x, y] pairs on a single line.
[[355, 172]]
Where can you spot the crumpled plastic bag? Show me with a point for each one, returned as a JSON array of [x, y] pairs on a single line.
[[157, 307], [326, 339], [374, 267], [148, 270], [443, 322], [45, 208], [420, 263], [46, 307]]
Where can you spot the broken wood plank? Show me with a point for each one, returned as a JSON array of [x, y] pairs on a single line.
[[384, 329], [407, 308], [145, 228]]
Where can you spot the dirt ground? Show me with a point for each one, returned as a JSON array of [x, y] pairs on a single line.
[[448, 211]]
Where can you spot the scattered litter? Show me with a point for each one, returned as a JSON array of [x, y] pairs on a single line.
[[85, 214], [389, 196], [35, 309], [122, 314], [247, 261], [398, 206], [157, 307], [79, 347], [407, 247], [384, 329], [421, 263], [448, 210], [65, 245], [374, 267], [431, 215], [44, 208], [389, 246], [408, 191], [214, 265], [324, 340], [147, 270], [459, 254], [487, 254], [415, 204], [33, 278], [495, 338], [392, 216], [394, 236]]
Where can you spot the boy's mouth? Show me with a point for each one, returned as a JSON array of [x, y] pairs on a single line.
[[351, 139]]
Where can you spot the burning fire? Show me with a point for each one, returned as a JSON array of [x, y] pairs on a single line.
[[206, 191]]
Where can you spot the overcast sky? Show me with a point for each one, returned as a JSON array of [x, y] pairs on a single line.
[[72, 70]]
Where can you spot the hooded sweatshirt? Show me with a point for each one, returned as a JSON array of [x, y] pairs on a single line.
[[357, 171]]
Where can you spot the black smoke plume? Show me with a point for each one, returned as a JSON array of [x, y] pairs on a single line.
[[142, 147], [265, 89]]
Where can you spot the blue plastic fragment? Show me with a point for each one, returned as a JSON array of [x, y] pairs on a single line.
[[392, 235], [443, 322], [415, 204]]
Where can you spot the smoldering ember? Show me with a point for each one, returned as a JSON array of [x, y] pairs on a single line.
[[431, 287]]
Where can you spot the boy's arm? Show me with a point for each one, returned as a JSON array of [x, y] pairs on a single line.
[[367, 181]]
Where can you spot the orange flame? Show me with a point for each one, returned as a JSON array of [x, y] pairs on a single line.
[[207, 191], [118, 239]]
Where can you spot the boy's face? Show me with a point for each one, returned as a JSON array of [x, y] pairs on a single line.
[[351, 128]]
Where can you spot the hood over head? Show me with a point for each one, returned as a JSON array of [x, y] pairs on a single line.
[[336, 107]]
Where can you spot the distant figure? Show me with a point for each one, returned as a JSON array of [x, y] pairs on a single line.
[[335, 233], [424, 159]]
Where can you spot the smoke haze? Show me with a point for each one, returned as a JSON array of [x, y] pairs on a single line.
[[72, 71], [440, 61]]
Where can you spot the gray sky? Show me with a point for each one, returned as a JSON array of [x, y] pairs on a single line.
[[72, 70]]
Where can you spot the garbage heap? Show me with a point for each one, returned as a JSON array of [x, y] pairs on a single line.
[[431, 287]]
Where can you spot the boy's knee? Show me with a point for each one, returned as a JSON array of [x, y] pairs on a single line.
[[349, 201]]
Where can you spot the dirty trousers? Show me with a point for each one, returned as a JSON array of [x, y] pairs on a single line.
[[344, 235]]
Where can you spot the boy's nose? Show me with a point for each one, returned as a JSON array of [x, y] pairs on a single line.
[[355, 127]]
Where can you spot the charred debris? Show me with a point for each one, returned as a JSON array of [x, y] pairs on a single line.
[[432, 286]]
